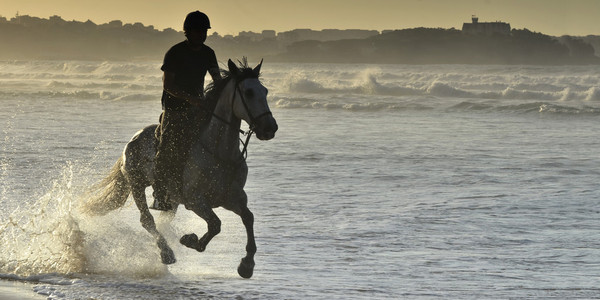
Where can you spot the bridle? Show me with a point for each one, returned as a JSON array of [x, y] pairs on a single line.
[[252, 118]]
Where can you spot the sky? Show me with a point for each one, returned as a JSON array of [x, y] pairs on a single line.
[[552, 17]]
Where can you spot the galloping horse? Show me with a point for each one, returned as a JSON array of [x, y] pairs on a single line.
[[215, 172]]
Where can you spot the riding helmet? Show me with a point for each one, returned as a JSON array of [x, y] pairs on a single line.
[[196, 21]]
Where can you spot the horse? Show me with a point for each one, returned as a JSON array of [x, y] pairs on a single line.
[[215, 171]]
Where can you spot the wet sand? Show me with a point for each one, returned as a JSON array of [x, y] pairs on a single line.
[[14, 290]]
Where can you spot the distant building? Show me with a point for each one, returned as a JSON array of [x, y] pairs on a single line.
[[325, 34], [55, 20], [253, 36], [341, 34], [115, 24], [269, 34], [487, 28]]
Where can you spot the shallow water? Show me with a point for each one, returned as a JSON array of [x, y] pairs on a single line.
[[384, 181]]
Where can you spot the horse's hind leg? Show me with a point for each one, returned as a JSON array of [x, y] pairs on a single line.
[[166, 254], [214, 227]]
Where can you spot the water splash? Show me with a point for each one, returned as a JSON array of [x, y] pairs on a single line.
[[44, 237], [51, 236]]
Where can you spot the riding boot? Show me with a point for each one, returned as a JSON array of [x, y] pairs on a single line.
[[160, 195]]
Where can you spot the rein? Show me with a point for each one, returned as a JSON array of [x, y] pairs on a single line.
[[253, 119]]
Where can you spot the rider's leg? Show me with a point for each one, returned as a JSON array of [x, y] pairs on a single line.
[[170, 157], [161, 166]]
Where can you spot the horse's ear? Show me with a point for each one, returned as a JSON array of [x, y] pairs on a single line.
[[233, 69], [257, 69]]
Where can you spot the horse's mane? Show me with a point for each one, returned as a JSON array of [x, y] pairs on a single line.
[[214, 89]]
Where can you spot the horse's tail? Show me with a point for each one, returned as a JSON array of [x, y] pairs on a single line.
[[109, 194]]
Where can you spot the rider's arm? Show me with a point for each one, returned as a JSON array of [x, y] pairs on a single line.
[[215, 73], [170, 87]]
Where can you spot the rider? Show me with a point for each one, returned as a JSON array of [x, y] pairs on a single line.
[[184, 66]]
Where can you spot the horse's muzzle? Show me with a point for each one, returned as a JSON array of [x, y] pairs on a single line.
[[265, 128]]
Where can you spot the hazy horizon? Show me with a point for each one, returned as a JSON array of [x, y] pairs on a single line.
[[552, 17]]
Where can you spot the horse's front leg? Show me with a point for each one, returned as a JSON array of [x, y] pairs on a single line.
[[213, 222], [246, 267], [239, 206]]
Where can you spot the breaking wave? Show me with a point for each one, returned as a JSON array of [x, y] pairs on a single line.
[[371, 85], [570, 89]]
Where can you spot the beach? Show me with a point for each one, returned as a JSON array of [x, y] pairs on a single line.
[[383, 182], [13, 290]]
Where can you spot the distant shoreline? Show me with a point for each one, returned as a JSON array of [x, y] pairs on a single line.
[[32, 38]]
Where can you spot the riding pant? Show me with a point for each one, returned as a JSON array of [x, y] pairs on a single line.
[[175, 134]]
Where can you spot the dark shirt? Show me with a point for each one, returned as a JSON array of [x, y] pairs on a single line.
[[190, 67]]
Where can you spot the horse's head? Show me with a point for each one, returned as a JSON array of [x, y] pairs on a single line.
[[250, 101]]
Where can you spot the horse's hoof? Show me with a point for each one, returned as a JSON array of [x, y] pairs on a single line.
[[246, 268], [167, 257], [201, 244], [189, 240]]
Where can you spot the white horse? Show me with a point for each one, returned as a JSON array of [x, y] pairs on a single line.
[[215, 172]]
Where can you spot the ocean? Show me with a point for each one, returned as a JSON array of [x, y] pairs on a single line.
[[383, 182]]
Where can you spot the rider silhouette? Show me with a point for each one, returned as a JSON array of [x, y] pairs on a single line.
[[184, 66]]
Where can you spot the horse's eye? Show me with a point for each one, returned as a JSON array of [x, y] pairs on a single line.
[[249, 93]]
